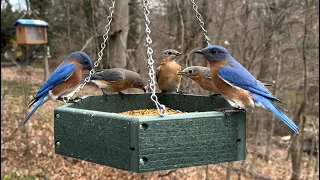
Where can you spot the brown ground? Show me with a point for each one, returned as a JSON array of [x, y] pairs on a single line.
[[29, 153]]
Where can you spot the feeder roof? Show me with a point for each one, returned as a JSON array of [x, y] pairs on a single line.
[[30, 22]]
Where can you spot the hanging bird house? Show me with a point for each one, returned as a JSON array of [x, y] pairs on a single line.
[[93, 130], [31, 31]]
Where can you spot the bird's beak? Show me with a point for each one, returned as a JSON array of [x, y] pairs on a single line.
[[198, 51], [178, 54], [181, 73]]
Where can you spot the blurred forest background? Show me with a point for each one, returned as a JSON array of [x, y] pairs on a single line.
[[276, 40]]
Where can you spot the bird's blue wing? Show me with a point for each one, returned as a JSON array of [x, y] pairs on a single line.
[[62, 73], [240, 77]]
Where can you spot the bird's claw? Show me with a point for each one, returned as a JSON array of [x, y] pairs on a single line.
[[69, 100], [215, 94], [229, 109], [181, 92]]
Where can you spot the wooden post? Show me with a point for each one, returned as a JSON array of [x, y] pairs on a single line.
[[46, 64]]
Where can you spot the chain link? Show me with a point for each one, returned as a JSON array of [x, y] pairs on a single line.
[[151, 83], [103, 45], [201, 23]]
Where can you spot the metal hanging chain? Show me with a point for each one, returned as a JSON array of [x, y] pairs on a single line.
[[103, 45], [201, 23], [151, 85]]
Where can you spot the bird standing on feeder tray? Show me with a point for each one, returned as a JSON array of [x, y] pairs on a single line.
[[236, 83], [202, 76], [62, 83], [117, 80], [167, 73]]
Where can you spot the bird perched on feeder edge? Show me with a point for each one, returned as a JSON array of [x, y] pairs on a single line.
[[236, 83], [167, 73], [62, 83], [117, 80], [202, 76]]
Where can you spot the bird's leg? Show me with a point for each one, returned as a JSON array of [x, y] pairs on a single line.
[[122, 94], [103, 92]]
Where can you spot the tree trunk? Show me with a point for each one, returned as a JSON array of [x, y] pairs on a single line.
[[118, 36], [296, 146]]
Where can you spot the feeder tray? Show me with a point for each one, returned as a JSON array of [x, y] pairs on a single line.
[[94, 131]]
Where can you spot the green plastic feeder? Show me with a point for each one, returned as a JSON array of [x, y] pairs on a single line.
[[94, 131]]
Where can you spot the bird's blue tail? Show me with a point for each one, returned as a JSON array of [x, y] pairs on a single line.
[[268, 105], [35, 107]]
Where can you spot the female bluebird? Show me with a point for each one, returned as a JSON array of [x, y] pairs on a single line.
[[201, 75], [62, 82], [117, 80], [167, 73], [237, 84]]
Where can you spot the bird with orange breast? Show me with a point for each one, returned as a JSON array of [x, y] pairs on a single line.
[[117, 80], [201, 75], [167, 75], [236, 83], [63, 82]]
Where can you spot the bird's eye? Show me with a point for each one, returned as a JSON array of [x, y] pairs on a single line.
[[214, 51], [169, 53], [86, 62], [190, 71]]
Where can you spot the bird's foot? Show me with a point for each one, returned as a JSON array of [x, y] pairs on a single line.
[[121, 94], [78, 98], [213, 95], [181, 92], [74, 101], [67, 100], [227, 110]]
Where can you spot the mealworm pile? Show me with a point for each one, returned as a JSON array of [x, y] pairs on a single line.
[[150, 112]]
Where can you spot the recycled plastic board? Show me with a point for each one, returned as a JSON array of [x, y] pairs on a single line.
[[94, 131]]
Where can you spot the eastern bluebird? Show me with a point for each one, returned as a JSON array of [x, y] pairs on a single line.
[[117, 80], [237, 84], [62, 82], [202, 76], [167, 73]]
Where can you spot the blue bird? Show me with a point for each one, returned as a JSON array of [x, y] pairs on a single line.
[[62, 82], [237, 84]]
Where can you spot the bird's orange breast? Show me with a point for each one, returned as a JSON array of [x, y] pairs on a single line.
[[169, 80], [71, 83], [238, 95], [205, 83]]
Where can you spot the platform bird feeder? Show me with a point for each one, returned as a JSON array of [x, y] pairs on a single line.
[[31, 31], [94, 131]]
